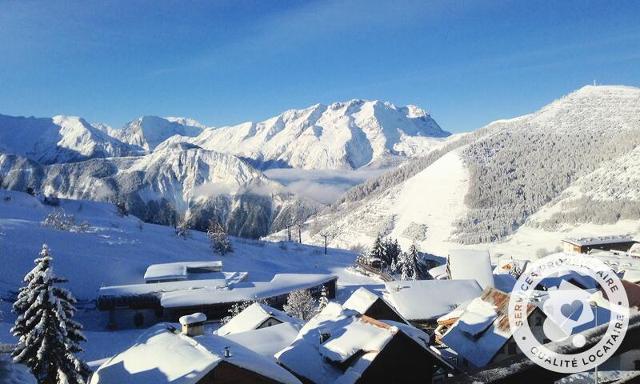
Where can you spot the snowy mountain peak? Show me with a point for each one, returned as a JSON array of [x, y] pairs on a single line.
[[58, 139], [148, 132], [186, 121], [343, 135]]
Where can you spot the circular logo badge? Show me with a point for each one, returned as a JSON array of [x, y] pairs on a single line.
[[559, 340]]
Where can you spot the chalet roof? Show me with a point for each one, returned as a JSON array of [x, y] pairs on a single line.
[[269, 340], [597, 240], [339, 336], [482, 328], [218, 279], [281, 284], [162, 355], [252, 317], [475, 264], [521, 369], [419, 300], [361, 300], [178, 270]]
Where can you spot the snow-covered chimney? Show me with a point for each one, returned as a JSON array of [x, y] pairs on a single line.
[[193, 325]]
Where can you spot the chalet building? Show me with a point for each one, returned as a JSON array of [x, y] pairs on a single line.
[[422, 302], [341, 345], [605, 243], [622, 366], [141, 305], [256, 316], [470, 264], [166, 355], [480, 333], [369, 304]]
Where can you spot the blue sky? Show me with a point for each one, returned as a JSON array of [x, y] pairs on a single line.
[[224, 62]]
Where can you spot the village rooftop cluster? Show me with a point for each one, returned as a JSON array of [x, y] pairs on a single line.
[[451, 326]]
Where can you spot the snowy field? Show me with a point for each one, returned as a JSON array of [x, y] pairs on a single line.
[[117, 250]]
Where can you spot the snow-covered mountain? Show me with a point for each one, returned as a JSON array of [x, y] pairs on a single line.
[[179, 180], [148, 132], [484, 186], [348, 135], [60, 139]]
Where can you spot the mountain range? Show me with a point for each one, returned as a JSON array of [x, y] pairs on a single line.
[[165, 169], [572, 162]]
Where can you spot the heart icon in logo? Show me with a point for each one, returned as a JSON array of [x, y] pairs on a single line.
[[572, 311]]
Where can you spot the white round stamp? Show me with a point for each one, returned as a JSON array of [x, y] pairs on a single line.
[[569, 311]]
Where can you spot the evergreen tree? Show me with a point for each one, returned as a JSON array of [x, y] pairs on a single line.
[[324, 300], [300, 304], [48, 338], [219, 240], [392, 251], [377, 251], [409, 264]]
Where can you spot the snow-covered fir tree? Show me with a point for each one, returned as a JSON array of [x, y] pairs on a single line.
[[378, 251], [300, 304], [48, 338], [392, 251], [219, 240], [323, 300], [408, 264]]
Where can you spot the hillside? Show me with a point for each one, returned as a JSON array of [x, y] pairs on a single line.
[[117, 250], [166, 185], [484, 186], [348, 135]]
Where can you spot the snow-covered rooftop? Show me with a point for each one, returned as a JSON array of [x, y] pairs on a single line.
[[429, 299], [269, 340], [252, 317], [219, 279], [281, 284], [361, 300], [179, 270], [162, 355], [439, 271], [471, 264], [341, 336], [596, 240], [482, 328]]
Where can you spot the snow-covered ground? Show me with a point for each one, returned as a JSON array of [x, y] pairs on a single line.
[[117, 250]]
